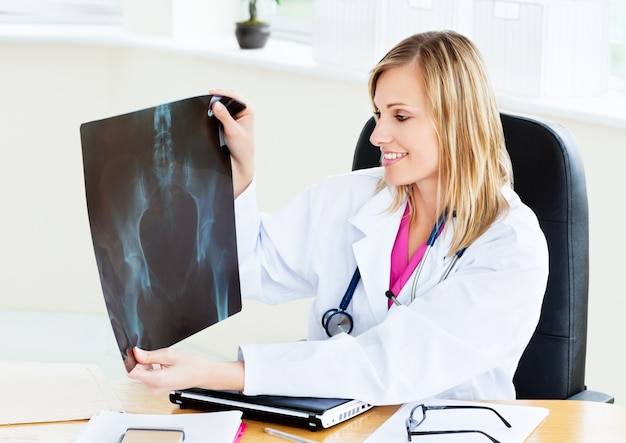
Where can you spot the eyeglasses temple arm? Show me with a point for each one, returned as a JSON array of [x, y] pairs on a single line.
[[435, 407]]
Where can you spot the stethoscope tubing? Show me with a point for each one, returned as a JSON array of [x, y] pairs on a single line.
[[451, 264], [345, 301]]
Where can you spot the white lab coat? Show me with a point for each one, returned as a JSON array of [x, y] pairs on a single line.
[[461, 338]]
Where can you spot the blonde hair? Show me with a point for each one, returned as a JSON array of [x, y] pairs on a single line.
[[473, 161]]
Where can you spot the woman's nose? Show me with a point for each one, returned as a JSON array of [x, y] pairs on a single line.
[[379, 136]]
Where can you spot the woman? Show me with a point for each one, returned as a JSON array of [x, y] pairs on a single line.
[[445, 174]]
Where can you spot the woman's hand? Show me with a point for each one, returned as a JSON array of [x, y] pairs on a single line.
[[239, 132], [178, 369]]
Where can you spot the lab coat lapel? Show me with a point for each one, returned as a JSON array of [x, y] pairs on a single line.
[[373, 251]]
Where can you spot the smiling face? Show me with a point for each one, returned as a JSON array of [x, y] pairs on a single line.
[[440, 133], [404, 130]]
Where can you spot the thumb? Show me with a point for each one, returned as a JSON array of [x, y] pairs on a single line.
[[222, 114], [150, 357]]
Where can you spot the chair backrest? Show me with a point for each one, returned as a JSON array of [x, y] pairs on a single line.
[[549, 177]]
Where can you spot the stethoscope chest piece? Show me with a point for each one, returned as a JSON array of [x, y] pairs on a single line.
[[336, 321]]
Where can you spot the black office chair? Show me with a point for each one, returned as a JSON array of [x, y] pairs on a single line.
[[549, 177]]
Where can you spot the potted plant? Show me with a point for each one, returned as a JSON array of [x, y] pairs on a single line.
[[252, 33]]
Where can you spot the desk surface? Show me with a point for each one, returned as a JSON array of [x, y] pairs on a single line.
[[568, 421]]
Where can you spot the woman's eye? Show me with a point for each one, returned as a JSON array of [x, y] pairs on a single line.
[[401, 117], [377, 115]]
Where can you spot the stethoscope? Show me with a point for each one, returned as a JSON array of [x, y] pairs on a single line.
[[337, 320]]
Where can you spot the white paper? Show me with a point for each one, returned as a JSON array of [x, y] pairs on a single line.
[[46, 392], [523, 420], [216, 427]]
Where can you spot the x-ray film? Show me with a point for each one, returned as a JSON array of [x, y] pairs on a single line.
[[160, 201]]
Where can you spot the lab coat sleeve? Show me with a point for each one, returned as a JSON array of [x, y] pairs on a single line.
[[463, 336], [247, 223], [287, 255], [425, 360], [273, 250]]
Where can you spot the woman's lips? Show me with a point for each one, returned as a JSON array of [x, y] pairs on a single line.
[[389, 158]]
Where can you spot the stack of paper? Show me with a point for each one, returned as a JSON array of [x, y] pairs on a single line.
[[523, 420], [47, 392], [216, 427]]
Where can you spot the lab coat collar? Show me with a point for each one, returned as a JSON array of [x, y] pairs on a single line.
[[375, 214], [373, 251]]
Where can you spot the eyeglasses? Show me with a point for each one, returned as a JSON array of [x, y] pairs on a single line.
[[413, 422]]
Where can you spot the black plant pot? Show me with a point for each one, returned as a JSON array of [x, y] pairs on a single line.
[[252, 36]]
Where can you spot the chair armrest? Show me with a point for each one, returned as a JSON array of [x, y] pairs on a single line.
[[596, 396]]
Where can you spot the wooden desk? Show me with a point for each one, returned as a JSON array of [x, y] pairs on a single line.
[[568, 422]]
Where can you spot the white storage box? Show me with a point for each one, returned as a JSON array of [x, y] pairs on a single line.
[[544, 48], [348, 33], [408, 17], [357, 33], [192, 20]]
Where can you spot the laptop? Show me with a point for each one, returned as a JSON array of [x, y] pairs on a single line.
[[304, 412]]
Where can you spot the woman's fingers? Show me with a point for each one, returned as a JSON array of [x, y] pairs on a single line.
[[239, 132]]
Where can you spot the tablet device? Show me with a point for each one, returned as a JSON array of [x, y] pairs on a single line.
[[304, 412], [153, 435]]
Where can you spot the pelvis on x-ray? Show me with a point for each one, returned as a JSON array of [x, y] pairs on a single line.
[[160, 202]]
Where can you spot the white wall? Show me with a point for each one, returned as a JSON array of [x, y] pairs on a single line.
[[306, 128]]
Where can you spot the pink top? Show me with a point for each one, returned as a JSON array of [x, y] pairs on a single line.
[[401, 266]]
